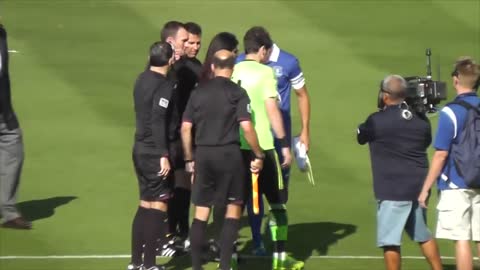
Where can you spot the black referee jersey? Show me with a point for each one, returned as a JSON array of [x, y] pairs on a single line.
[[215, 109], [185, 73], [152, 100]]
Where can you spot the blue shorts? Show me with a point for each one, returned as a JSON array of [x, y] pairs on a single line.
[[394, 217]]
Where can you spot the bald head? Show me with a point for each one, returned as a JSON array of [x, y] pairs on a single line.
[[223, 59], [222, 63]]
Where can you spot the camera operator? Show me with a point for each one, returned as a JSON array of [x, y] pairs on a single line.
[[398, 140], [459, 205]]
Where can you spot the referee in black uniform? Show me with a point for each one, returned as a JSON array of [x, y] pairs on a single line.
[[152, 96], [185, 72], [216, 110]]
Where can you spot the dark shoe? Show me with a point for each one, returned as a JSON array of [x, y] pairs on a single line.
[[18, 223], [182, 244], [157, 267], [169, 250], [213, 251], [135, 267]]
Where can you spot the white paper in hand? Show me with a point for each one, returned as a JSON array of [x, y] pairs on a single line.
[[301, 156], [300, 153]]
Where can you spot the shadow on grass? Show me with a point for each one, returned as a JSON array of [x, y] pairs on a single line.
[[45, 208], [454, 267], [306, 238]]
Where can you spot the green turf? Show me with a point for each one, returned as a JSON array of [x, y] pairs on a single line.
[[72, 85]]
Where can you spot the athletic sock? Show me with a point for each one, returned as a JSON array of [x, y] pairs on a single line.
[[172, 215], [197, 239], [279, 229], [217, 222], [227, 238], [183, 210], [255, 221], [138, 238], [154, 228]]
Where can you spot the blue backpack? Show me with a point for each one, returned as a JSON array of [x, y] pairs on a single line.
[[466, 150]]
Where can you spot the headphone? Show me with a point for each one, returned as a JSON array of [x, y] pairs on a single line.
[[405, 109]]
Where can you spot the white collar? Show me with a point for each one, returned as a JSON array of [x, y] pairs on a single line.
[[275, 53]]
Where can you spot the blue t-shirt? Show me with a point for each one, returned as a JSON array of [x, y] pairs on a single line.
[[289, 75], [450, 126]]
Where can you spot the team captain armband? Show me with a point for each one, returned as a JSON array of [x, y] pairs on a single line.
[[298, 81]]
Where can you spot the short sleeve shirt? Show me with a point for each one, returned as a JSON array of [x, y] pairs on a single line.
[[260, 83], [215, 109]]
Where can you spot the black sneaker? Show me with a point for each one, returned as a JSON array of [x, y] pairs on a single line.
[[167, 250], [156, 267], [213, 251], [132, 266], [170, 249], [182, 243]]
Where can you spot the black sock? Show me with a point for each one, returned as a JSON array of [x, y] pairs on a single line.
[[227, 238], [279, 246], [172, 215], [138, 238], [183, 210], [197, 239], [154, 227], [217, 222]]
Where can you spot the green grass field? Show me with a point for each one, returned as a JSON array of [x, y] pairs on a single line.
[[72, 81]]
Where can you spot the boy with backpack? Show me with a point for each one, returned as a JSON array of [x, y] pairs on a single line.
[[456, 165]]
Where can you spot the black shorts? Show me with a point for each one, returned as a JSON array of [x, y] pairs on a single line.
[[219, 178], [270, 180], [152, 187]]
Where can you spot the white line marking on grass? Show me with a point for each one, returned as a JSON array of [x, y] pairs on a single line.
[[13, 51], [64, 257], [69, 257]]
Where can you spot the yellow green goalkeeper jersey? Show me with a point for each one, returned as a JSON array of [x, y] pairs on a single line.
[[260, 83]]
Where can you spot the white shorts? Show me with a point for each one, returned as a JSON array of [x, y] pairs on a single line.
[[459, 214]]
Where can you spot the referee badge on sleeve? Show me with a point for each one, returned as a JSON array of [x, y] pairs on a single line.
[[163, 103], [249, 108]]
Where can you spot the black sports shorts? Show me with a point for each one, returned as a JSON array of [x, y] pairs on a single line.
[[152, 187], [219, 176]]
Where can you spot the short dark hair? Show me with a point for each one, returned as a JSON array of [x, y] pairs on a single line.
[[224, 63], [193, 28], [467, 72], [255, 38], [160, 53], [170, 29]]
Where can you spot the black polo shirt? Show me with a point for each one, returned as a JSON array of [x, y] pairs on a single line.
[[152, 98], [185, 73], [215, 109], [398, 152]]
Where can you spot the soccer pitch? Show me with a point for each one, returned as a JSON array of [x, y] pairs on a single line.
[[72, 77]]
